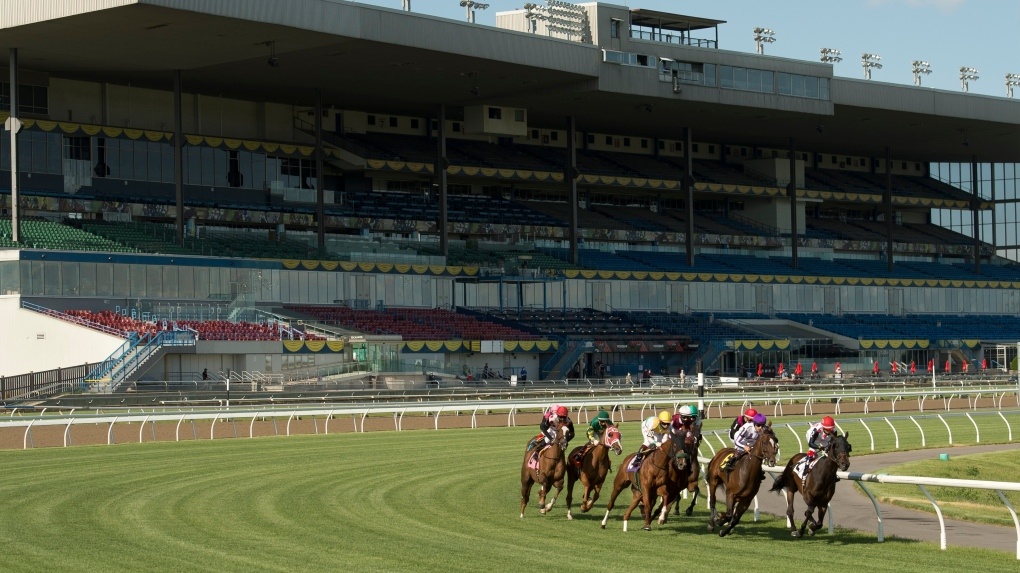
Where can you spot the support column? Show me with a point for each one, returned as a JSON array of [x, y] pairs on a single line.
[[791, 192], [887, 201], [570, 175], [320, 207], [688, 184], [178, 158], [975, 212], [991, 190], [441, 165], [14, 125]]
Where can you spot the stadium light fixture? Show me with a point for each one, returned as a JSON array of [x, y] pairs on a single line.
[[471, 6], [534, 13], [407, 5], [870, 62], [967, 75], [831, 56], [763, 36], [1012, 80], [920, 68]]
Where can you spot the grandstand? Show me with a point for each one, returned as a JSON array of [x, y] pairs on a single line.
[[598, 200]]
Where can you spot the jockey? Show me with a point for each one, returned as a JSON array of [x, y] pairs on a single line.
[[687, 421], [655, 430], [598, 426], [549, 426], [819, 435], [739, 421], [745, 439]]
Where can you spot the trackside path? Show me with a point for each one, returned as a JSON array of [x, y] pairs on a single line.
[[852, 508]]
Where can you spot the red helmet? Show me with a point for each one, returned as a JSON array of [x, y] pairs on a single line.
[[677, 422], [750, 413], [562, 411], [828, 423]]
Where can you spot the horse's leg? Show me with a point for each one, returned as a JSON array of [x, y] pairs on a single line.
[[526, 483], [790, 524], [618, 485], [808, 516], [690, 509], [712, 484], [571, 480], [648, 495], [740, 506], [559, 487], [821, 519], [591, 494], [630, 509]]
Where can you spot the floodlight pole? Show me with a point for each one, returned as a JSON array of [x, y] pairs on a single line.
[[14, 125]]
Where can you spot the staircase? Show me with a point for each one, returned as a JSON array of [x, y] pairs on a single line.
[[708, 353], [568, 353], [132, 356]]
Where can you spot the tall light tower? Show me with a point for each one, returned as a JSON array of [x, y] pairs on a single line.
[[870, 62], [763, 36], [966, 76], [1012, 80], [471, 6], [920, 68], [831, 56]]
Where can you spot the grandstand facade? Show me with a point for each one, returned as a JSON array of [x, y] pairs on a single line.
[[322, 186]]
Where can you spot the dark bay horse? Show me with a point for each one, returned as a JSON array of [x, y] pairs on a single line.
[[742, 482], [551, 468], [663, 472], [819, 486], [594, 468]]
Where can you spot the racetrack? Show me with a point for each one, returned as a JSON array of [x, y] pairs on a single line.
[[379, 501]]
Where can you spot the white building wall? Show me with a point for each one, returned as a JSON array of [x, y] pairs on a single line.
[[34, 342]]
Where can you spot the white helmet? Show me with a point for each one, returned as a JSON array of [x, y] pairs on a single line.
[[686, 411]]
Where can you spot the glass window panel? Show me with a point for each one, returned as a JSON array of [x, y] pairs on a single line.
[[221, 164], [127, 159], [155, 166], [36, 274], [39, 149], [823, 88], [785, 84], [710, 75], [739, 79], [104, 279], [208, 167], [54, 153], [798, 85], [140, 152], [768, 82], [166, 155], [51, 278], [725, 76], [169, 280], [112, 154], [754, 80], [87, 279], [122, 280], [811, 85], [9, 282]]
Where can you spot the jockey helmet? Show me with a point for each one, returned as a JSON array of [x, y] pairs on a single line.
[[602, 415], [685, 410], [759, 419], [750, 413], [561, 411], [677, 422], [664, 418], [828, 423], [694, 410]]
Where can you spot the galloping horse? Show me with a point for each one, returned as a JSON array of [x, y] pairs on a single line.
[[818, 487], [548, 474], [664, 471], [594, 468], [742, 482]]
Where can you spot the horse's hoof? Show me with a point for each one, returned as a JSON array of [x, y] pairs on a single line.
[[722, 533], [795, 534], [689, 512], [811, 532], [647, 528], [570, 516], [603, 526], [711, 527]]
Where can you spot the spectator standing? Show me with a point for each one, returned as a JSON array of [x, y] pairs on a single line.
[[913, 367], [814, 369], [798, 371], [205, 374]]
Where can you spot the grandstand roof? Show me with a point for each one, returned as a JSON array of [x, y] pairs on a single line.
[[378, 59], [667, 21]]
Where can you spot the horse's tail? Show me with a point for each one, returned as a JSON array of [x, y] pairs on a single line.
[[782, 480]]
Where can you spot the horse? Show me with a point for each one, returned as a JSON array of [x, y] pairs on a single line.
[[663, 471], [817, 488], [549, 474], [594, 468], [742, 482]]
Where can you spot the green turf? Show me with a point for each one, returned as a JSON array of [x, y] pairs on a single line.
[[978, 505], [384, 501]]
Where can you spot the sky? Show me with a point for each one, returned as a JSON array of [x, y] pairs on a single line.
[[949, 34]]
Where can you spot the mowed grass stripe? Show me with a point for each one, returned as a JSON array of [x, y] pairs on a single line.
[[386, 501]]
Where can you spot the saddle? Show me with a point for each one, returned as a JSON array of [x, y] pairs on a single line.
[[578, 458]]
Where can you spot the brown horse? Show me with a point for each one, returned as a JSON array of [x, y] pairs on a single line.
[[693, 479], [663, 472], [742, 482], [817, 488], [594, 468], [549, 474]]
